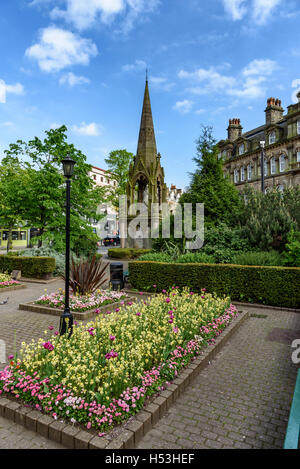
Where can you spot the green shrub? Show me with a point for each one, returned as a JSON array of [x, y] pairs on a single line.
[[196, 257], [46, 251], [258, 258], [291, 254], [127, 253], [277, 286], [31, 267], [156, 256], [15, 253]]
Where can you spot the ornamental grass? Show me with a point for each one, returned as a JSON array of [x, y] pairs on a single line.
[[108, 367]]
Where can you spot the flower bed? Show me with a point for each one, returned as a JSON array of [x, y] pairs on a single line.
[[79, 302], [104, 373], [9, 283]]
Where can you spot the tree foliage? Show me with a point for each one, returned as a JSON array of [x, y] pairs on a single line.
[[208, 184], [43, 200], [267, 218], [118, 163]]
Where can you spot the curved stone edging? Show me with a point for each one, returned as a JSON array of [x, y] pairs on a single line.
[[76, 438], [258, 305]]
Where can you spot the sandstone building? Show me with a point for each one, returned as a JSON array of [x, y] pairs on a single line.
[[242, 151]]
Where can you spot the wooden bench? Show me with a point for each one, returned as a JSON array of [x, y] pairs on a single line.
[[292, 437]]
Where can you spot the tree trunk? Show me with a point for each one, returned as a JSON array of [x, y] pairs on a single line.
[[9, 239]]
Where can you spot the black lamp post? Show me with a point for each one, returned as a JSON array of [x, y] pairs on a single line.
[[262, 165], [66, 319]]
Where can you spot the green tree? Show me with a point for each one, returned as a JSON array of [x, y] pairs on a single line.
[[266, 220], [45, 195], [208, 184], [13, 197], [118, 163]]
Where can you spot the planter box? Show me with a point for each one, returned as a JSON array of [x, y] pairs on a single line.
[[13, 287], [131, 432], [43, 309]]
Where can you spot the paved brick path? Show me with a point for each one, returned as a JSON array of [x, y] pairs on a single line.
[[242, 399], [15, 327], [22, 326]]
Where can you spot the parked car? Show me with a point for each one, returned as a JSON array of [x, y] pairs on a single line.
[[111, 241]]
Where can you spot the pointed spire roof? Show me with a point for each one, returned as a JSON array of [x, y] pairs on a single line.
[[146, 149]]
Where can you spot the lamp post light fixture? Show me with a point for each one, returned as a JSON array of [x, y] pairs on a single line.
[[66, 319], [262, 165]]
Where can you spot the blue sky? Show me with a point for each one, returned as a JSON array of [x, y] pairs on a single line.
[[82, 63]]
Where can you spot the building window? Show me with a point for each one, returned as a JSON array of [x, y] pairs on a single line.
[[249, 172], [272, 137], [298, 156], [280, 188], [107, 181], [273, 166], [95, 177], [298, 127], [236, 176], [101, 179], [242, 174], [241, 149], [265, 168], [282, 163]]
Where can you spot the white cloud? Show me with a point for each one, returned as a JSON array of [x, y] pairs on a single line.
[[5, 89], [235, 8], [84, 14], [210, 79], [161, 83], [72, 80], [260, 67], [258, 10], [55, 126], [91, 130], [295, 84], [137, 9], [184, 106], [248, 83], [251, 89], [7, 124], [262, 9], [200, 111], [137, 66], [58, 48]]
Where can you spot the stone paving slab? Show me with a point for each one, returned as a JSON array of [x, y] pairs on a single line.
[[14, 436], [243, 398]]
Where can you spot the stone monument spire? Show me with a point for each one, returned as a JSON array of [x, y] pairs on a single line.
[[146, 183], [146, 149]]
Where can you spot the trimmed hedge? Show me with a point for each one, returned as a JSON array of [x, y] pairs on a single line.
[[127, 253], [31, 267], [275, 286]]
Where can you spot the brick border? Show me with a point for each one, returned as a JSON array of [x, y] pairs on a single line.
[[76, 314], [14, 287], [133, 431]]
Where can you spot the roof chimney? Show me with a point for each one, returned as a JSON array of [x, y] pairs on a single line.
[[234, 129], [273, 111]]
